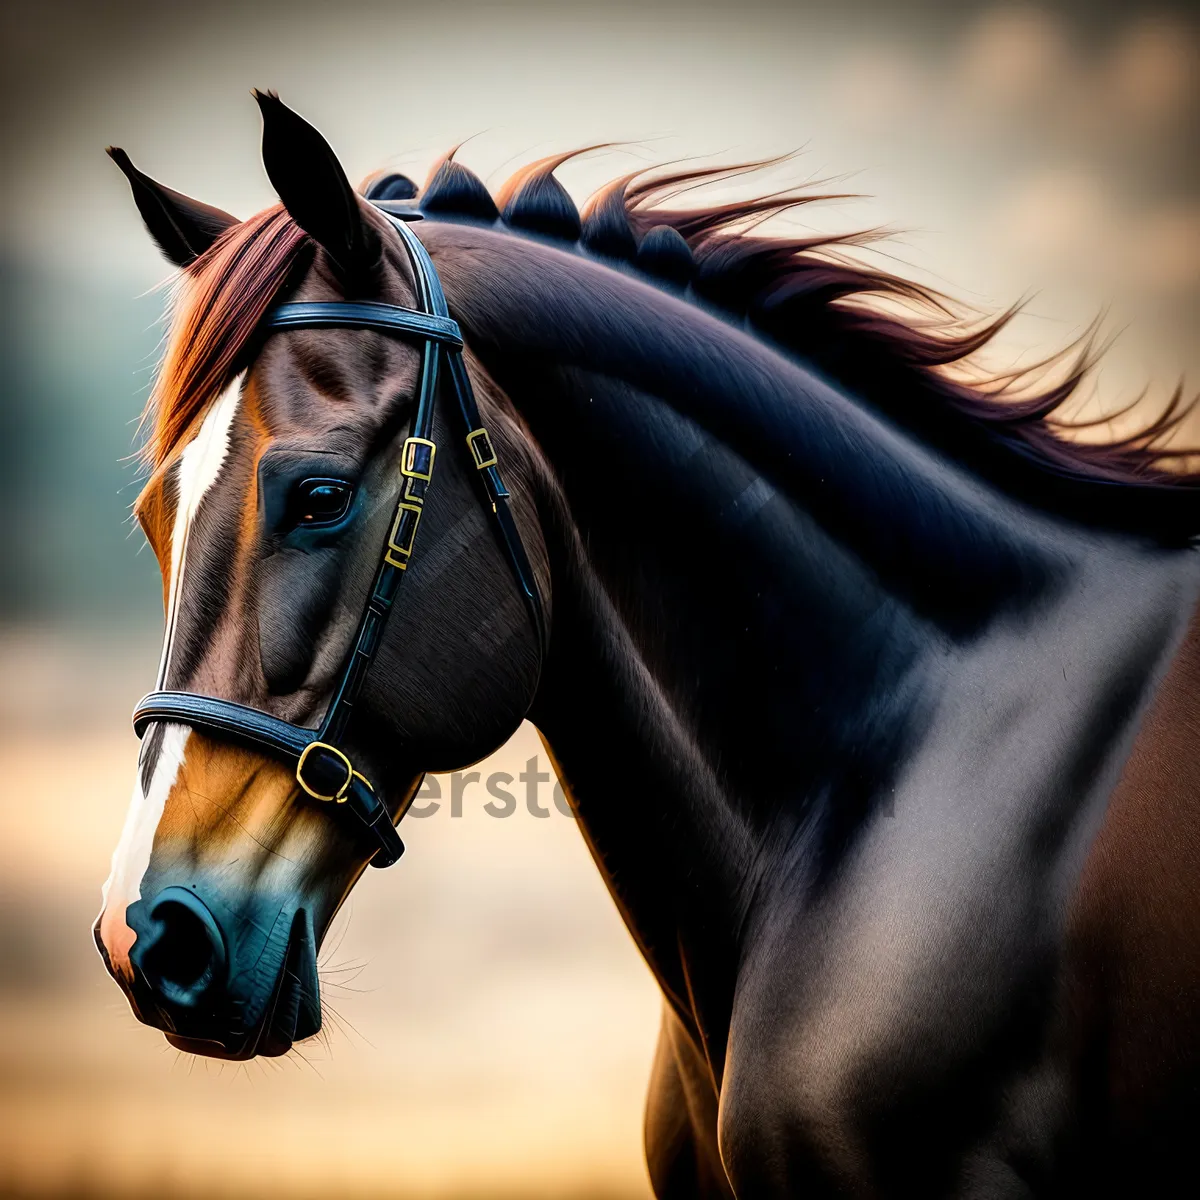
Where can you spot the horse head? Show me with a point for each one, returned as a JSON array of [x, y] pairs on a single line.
[[283, 466]]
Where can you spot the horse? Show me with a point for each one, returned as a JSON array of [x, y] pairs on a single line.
[[874, 692]]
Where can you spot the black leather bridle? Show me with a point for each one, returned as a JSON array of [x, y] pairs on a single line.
[[324, 771]]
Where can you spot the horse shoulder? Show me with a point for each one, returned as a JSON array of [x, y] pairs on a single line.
[[1133, 965]]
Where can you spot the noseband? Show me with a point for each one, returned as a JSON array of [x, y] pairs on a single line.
[[323, 770]]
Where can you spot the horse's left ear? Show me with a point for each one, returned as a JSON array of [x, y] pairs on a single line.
[[183, 228], [305, 172]]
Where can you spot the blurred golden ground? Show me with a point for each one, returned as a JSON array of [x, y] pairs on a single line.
[[491, 1029]]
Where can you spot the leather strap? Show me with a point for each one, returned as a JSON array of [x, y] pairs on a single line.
[[497, 494], [248, 725], [389, 574], [345, 314], [281, 739], [497, 497]]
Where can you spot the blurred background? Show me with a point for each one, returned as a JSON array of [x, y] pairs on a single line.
[[493, 1023]]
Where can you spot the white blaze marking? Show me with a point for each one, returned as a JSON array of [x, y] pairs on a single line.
[[132, 855], [199, 467]]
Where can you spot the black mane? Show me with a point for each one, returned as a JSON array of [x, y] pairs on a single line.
[[809, 297]]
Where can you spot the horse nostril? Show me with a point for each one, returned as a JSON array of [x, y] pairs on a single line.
[[185, 955]]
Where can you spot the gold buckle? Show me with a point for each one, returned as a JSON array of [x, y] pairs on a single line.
[[338, 797], [484, 458], [408, 456], [394, 547], [411, 501]]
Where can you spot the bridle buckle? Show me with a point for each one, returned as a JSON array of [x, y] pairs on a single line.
[[480, 445], [416, 459], [326, 756]]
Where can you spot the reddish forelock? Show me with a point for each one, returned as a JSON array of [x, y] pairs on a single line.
[[222, 298]]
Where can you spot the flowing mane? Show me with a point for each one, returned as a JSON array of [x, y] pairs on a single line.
[[808, 296]]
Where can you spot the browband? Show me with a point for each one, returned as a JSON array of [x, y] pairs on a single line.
[[323, 770], [356, 314]]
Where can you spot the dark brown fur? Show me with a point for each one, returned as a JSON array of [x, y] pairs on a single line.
[[1133, 975]]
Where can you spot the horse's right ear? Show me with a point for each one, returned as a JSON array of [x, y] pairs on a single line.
[[183, 228]]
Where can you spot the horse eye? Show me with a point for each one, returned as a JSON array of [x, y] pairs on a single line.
[[320, 501]]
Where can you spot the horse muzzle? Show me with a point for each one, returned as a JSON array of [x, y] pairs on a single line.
[[221, 978]]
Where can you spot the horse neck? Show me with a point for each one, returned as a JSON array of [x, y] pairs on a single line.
[[727, 682], [754, 582]]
